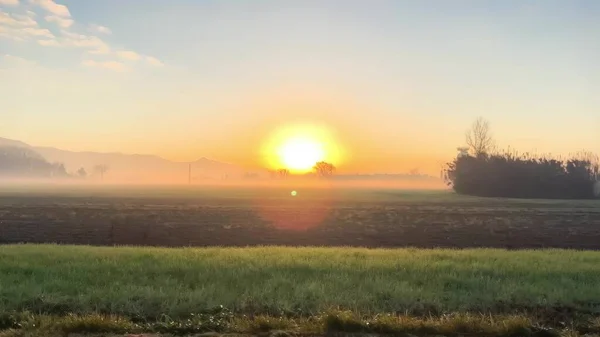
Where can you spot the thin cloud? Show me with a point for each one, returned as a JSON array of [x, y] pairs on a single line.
[[9, 2], [94, 44], [8, 57], [25, 33], [154, 61], [53, 7], [15, 60], [100, 51], [100, 29], [37, 32], [19, 27], [25, 27], [128, 55], [60, 21], [111, 65], [7, 33], [16, 20], [49, 43]]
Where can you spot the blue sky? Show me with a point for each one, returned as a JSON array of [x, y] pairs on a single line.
[[399, 81]]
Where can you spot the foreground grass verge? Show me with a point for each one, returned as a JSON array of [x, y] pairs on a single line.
[[333, 323], [50, 290], [148, 283]]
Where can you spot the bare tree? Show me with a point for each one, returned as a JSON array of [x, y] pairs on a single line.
[[324, 169], [101, 169], [58, 170], [462, 151], [283, 173], [479, 138]]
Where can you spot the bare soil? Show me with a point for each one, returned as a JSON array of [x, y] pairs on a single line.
[[298, 222]]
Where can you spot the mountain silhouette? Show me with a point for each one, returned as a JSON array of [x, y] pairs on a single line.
[[12, 143], [131, 167]]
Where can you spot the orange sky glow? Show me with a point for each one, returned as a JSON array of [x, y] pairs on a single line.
[[373, 87]]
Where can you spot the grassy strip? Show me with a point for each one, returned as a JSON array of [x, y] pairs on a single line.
[[149, 282], [330, 323]]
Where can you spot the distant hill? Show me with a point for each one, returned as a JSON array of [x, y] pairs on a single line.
[[12, 143], [135, 167], [18, 161], [131, 167]]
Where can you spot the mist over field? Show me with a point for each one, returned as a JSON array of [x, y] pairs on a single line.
[[33, 185], [299, 168], [22, 164]]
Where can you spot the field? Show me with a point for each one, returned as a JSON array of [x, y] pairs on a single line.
[[315, 217], [291, 285], [65, 289]]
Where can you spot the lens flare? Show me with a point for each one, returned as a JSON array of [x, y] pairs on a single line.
[[295, 214]]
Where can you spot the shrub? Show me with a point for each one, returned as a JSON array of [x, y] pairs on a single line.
[[524, 176]]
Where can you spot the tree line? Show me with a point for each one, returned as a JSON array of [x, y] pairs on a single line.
[[480, 169], [321, 169]]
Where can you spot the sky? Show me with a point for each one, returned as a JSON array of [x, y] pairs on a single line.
[[395, 82]]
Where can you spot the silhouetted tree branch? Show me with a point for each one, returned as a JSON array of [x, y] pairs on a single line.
[[479, 138]]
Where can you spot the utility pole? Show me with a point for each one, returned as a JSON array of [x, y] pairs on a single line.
[[190, 174]]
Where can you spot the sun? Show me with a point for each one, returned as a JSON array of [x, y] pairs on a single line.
[[300, 154], [298, 147]]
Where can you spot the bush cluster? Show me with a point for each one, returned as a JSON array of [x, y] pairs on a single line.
[[513, 175]]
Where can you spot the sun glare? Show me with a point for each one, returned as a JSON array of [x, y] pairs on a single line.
[[299, 147], [299, 154]]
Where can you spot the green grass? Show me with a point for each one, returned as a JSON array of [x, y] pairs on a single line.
[[150, 282], [49, 290]]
